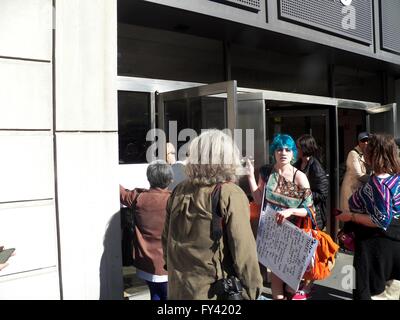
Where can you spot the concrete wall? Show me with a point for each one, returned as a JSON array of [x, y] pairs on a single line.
[[27, 197], [59, 202]]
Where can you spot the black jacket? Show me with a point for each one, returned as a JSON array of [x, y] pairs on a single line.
[[319, 184]]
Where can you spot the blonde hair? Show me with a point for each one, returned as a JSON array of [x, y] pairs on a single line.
[[213, 158]]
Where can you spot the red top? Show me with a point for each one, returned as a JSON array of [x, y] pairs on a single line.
[[149, 224]]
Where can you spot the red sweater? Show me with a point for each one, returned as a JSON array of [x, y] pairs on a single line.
[[149, 219]]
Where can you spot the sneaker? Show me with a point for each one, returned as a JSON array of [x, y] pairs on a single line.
[[301, 295]]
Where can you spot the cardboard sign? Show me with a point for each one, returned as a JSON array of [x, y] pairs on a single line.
[[285, 249]]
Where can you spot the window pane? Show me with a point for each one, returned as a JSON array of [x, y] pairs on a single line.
[[196, 113], [296, 126], [133, 125]]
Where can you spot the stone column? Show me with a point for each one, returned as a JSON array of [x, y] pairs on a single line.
[[86, 135]]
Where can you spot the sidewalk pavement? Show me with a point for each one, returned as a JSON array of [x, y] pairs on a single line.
[[134, 288], [338, 286]]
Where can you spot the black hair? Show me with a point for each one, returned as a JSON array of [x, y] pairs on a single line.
[[308, 145]]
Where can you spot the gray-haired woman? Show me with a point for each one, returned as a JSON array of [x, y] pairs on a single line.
[[150, 213], [195, 262]]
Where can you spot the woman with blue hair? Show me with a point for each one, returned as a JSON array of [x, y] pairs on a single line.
[[287, 191]]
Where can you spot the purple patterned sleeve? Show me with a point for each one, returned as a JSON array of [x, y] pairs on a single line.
[[355, 203]]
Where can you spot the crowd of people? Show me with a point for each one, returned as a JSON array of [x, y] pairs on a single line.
[[193, 238]]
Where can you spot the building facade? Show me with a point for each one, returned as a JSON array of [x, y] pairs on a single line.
[[82, 82], [59, 202], [326, 67]]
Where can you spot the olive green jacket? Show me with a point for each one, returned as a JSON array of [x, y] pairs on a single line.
[[193, 258]]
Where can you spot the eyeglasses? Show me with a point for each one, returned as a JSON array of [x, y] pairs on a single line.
[[364, 140]]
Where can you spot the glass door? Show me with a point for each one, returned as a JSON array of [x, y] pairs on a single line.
[[251, 122], [297, 122], [382, 119], [203, 107]]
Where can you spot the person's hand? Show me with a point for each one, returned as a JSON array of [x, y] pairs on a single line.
[[250, 167], [336, 212], [345, 216], [282, 215], [3, 265]]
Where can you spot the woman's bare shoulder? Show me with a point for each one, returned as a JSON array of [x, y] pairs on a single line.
[[302, 180]]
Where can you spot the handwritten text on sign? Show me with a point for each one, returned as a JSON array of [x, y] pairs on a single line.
[[285, 248]]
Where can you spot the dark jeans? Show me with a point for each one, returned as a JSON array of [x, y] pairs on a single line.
[[158, 290]]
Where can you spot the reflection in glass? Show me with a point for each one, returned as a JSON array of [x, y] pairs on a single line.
[[196, 113], [296, 126], [133, 125]]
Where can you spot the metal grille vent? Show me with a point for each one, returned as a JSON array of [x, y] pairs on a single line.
[[390, 25], [327, 15], [252, 5]]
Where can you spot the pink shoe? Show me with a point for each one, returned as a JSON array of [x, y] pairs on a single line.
[[301, 295]]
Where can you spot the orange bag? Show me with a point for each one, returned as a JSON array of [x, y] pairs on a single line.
[[323, 260], [255, 210]]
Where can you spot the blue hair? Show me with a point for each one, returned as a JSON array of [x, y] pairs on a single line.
[[283, 141]]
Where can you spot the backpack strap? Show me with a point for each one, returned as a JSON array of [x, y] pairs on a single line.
[[135, 200], [358, 152], [132, 208], [216, 235], [312, 218], [216, 224]]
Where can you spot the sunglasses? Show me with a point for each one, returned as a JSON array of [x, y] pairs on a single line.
[[364, 140]]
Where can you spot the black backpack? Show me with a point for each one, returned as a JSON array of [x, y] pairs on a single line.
[[128, 232]]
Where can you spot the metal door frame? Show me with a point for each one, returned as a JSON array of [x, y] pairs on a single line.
[[304, 100], [267, 95], [310, 112], [330, 225]]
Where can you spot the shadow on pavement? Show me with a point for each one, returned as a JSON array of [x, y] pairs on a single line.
[[327, 293], [319, 293]]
